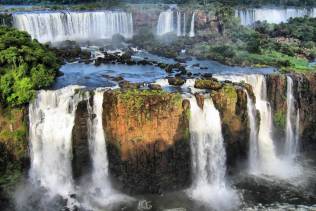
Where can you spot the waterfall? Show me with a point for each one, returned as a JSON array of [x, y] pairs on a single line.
[[51, 117], [97, 142], [165, 22], [78, 26], [253, 141], [209, 158], [272, 15], [184, 32], [266, 160], [267, 153], [179, 24], [192, 32], [292, 116]]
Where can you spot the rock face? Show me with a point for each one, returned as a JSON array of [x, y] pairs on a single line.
[[13, 151], [231, 101], [304, 87], [148, 140], [276, 94], [13, 137], [81, 162]]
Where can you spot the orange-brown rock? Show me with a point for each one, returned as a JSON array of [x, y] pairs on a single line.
[[148, 139]]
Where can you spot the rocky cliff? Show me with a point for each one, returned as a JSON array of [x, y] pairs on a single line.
[[148, 140], [304, 88]]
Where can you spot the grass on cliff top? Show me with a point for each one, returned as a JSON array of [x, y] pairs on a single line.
[[135, 99]]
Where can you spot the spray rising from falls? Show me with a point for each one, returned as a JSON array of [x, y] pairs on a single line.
[[292, 116], [78, 26], [209, 158]]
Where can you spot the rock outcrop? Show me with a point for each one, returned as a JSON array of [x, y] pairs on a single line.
[[81, 162], [231, 102], [148, 140]]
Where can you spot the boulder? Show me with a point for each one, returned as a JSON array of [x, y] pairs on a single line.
[[211, 83]]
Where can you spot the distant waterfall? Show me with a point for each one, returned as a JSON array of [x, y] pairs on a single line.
[[292, 116], [78, 26], [192, 28], [52, 116], [209, 158], [271, 15], [167, 23], [179, 24]]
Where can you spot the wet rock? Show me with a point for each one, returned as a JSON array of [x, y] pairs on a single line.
[[154, 87], [118, 78], [207, 75], [129, 85], [212, 84], [81, 162], [176, 81], [200, 100]]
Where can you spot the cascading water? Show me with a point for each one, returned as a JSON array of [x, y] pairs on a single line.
[[184, 31], [61, 26], [179, 24], [209, 158], [266, 160], [253, 141], [292, 116], [165, 22], [52, 117], [192, 28], [97, 142], [100, 188], [271, 15]]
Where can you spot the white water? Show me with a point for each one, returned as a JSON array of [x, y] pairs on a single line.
[[268, 163], [271, 15], [100, 190], [209, 158], [168, 24], [51, 118], [192, 32], [165, 22], [179, 24], [253, 141], [78, 26], [292, 116]]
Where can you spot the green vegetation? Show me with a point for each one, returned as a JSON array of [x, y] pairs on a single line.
[[139, 100], [25, 66], [279, 119], [288, 46]]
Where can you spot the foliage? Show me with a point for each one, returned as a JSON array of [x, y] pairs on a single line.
[[25, 66], [279, 119]]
